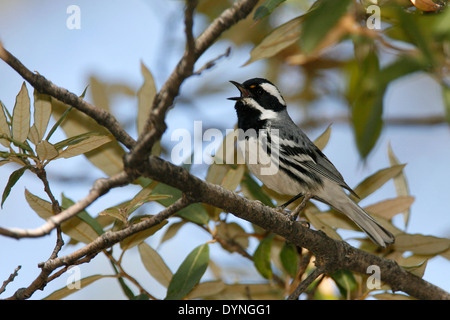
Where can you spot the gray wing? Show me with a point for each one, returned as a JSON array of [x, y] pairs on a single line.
[[305, 153]]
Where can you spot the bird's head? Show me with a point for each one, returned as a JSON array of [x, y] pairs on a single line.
[[259, 96]]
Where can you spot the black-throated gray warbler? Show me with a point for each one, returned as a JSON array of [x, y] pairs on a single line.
[[301, 168]]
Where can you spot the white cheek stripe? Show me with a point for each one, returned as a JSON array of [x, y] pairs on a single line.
[[273, 91], [265, 114]]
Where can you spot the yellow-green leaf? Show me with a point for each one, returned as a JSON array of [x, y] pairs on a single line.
[[84, 146], [107, 157], [41, 207], [320, 225], [72, 288], [400, 183], [74, 227], [206, 289], [46, 151], [155, 264], [392, 296], [377, 180], [42, 112], [99, 93], [233, 233], [323, 139], [421, 244], [137, 238], [145, 95], [21, 115], [280, 38], [390, 207], [33, 135], [233, 177]]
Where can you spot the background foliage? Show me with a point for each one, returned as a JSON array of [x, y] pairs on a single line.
[[330, 40]]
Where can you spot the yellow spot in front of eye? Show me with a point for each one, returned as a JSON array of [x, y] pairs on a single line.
[[253, 86]]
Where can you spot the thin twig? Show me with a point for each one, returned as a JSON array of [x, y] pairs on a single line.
[[305, 284], [101, 186], [10, 279], [212, 62], [89, 251]]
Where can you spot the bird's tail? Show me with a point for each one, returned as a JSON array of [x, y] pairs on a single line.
[[373, 229], [363, 220]]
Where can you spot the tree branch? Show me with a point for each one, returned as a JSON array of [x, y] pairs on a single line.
[[45, 86], [332, 254]]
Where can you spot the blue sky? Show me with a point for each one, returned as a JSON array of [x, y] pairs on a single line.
[[115, 36]]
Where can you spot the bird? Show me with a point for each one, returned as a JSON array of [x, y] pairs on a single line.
[[293, 164]]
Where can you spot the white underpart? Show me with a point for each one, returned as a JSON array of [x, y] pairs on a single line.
[[267, 168], [265, 114], [273, 91]]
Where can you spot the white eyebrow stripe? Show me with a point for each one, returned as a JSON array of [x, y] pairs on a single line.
[[265, 113], [273, 91]]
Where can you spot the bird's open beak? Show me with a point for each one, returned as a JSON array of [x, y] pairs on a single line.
[[244, 92]]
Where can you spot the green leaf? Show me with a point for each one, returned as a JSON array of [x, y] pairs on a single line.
[[195, 213], [21, 115], [261, 257], [367, 87], [83, 215], [367, 104], [411, 27], [189, 273], [253, 190], [58, 123], [266, 8], [446, 98], [4, 127], [345, 281], [13, 178], [324, 15], [289, 258], [155, 264]]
